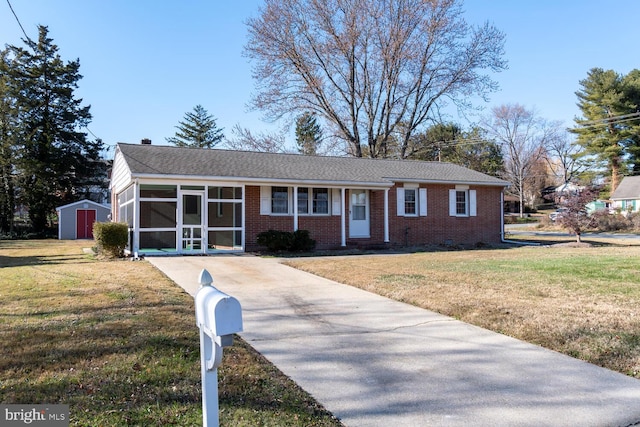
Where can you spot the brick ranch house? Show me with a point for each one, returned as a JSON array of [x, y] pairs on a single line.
[[205, 201]]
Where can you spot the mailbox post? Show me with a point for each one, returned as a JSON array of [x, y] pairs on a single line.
[[218, 316]]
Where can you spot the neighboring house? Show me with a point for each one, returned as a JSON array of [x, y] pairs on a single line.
[[626, 198], [596, 206], [75, 220], [198, 201]]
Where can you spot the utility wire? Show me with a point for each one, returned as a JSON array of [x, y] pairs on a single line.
[[610, 120], [20, 24], [623, 116]]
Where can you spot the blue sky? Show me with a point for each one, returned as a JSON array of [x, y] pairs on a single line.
[[146, 63]]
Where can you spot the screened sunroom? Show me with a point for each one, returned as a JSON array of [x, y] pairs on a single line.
[[182, 218]]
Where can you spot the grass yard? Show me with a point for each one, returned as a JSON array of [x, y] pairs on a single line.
[[117, 341], [584, 302]]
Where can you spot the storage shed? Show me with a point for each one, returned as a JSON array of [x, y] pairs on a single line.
[[75, 220]]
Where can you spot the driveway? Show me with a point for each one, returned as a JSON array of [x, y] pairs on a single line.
[[372, 361]]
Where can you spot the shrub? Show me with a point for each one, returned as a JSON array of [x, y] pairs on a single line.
[[276, 241], [302, 241], [111, 238], [635, 220], [611, 222]]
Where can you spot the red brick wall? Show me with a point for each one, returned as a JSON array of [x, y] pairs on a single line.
[[440, 228], [434, 229]]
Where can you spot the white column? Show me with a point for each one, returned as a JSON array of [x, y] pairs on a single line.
[[295, 208], [343, 216], [136, 219], [386, 215]]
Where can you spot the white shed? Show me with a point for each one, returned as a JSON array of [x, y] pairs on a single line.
[[75, 220]]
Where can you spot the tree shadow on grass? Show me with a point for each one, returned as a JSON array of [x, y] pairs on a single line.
[[21, 261]]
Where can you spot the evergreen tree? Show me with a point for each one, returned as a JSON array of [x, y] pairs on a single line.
[[447, 142], [198, 130], [7, 147], [54, 159], [609, 128], [308, 134], [475, 151]]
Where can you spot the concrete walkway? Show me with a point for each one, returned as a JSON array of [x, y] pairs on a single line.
[[376, 362]]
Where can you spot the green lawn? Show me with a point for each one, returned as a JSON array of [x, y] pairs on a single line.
[[117, 341], [581, 301]]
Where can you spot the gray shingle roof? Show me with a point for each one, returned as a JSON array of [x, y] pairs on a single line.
[[145, 160], [628, 189]]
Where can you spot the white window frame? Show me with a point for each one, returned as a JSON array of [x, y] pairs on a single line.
[[287, 200], [315, 202], [470, 202], [266, 200], [420, 202]]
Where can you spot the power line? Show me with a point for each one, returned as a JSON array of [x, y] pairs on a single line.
[[623, 116], [19, 23], [607, 121]]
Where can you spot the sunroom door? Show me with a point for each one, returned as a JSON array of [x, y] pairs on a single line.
[[192, 223]]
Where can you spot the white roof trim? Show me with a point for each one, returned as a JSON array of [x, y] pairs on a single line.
[[79, 202]]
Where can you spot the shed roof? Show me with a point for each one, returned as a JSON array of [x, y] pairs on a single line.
[[628, 189], [83, 201], [154, 160]]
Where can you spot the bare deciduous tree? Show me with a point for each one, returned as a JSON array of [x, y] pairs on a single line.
[[244, 140], [523, 137], [562, 157], [366, 66]]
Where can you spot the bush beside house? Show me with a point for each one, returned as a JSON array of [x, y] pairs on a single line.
[[111, 238]]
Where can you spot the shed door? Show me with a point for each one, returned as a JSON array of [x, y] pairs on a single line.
[[84, 223]]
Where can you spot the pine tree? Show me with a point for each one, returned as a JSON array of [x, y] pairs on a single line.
[[609, 128], [198, 130], [308, 134], [7, 147], [54, 158]]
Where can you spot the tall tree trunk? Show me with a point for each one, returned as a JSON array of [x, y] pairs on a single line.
[[615, 173]]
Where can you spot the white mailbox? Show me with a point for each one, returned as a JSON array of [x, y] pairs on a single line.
[[218, 313], [218, 316]]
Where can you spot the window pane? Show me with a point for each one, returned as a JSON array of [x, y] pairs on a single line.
[[125, 214], [191, 209], [192, 187], [225, 240], [461, 202], [225, 193], [410, 202], [279, 200], [225, 214], [157, 240], [158, 191], [321, 200], [359, 213], [157, 214], [126, 196], [303, 200]]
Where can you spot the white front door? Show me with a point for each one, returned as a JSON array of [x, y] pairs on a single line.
[[192, 224], [359, 213]]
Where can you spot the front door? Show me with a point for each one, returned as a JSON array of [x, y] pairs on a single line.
[[192, 225], [84, 223], [359, 214]]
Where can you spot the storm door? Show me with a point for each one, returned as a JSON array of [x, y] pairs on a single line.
[[359, 214], [192, 224]]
